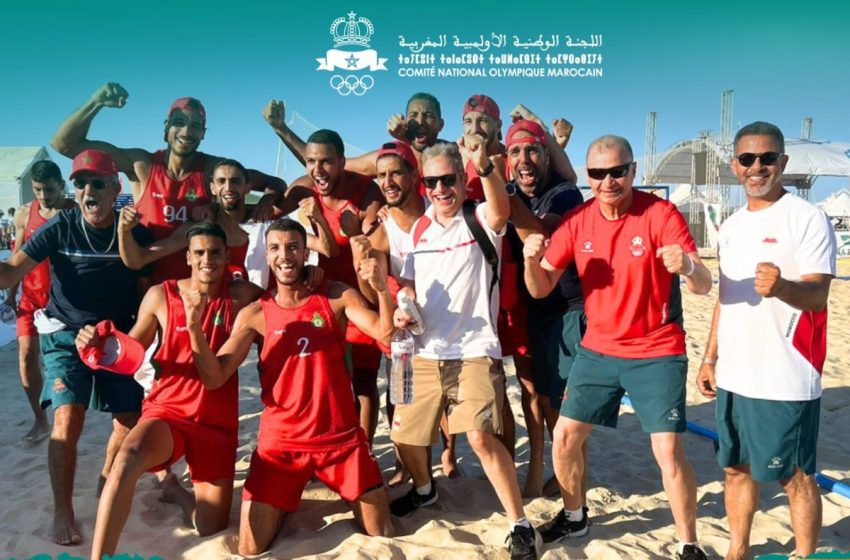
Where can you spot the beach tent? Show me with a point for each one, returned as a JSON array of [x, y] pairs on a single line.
[[809, 158], [837, 204], [15, 167]]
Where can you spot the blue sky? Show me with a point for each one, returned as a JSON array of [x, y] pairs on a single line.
[[784, 61]]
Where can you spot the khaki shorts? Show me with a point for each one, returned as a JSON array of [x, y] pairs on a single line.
[[472, 392]]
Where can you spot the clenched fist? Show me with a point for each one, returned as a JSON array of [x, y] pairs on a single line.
[[768, 281]]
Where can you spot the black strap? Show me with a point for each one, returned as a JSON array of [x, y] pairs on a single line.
[[483, 241]]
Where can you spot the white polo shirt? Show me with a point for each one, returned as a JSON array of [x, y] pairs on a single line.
[[766, 348], [453, 289]]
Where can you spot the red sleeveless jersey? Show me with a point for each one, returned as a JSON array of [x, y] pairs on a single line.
[[164, 206], [178, 392], [35, 287], [236, 267], [305, 385]]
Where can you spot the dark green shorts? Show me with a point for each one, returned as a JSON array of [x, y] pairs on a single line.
[[772, 437], [656, 387], [68, 381], [554, 344]]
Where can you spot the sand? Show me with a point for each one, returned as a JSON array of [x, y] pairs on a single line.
[[630, 514]]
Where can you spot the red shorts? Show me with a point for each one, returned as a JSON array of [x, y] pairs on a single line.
[[26, 309], [513, 330], [278, 477], [210, 453], [365, 352]]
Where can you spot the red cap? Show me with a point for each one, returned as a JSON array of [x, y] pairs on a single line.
[[93, 161], [117, 352], [538, 134], [400, 149], [483, 104], [189, 103]]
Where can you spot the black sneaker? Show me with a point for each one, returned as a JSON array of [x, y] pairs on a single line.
[[561, 528], [524, 543], [410, 502], [692, 552]]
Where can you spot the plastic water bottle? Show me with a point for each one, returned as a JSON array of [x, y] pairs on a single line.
[[401, 370], [409, 308]]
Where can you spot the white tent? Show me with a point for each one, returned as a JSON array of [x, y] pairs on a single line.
[[837, 204], [15, 181], [809, 158]]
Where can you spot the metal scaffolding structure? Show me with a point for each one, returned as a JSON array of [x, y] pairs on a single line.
[[649, 174]]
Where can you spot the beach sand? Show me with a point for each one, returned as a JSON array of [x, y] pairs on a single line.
[[629, 510]]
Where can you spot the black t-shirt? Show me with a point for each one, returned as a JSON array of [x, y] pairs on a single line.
[[558, 198], [88, 281]]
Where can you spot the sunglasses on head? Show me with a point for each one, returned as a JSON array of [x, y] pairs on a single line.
[[767, 158], [446, 180], [96, 183], [615, 172], [390, 146]]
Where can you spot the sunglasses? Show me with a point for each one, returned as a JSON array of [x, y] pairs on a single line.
[[96, 183], [767, 158], [390, 146], [446, 180], [615, 172]]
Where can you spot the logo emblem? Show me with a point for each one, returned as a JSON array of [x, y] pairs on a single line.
[[769, 240], [587, 247], [278, 332], [191, 196], [59, 385], [775, 463], [352, 53], [317, 320], [674, 415], [217, 319], [637, 248]]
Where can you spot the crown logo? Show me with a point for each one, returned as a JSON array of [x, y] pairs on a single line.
[[356, 32]]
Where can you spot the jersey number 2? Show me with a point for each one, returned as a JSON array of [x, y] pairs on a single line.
[[303, 342]]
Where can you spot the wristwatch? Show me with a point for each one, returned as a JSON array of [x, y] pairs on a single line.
[[487, 170], [510, 188]]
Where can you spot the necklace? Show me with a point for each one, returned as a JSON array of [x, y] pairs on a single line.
[[86, 235]]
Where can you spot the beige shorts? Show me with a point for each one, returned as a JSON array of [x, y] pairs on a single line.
[[472, 392]]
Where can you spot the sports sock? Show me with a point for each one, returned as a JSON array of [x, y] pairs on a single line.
[[521, 522], [574, 514], [682, 545], [424, 490]]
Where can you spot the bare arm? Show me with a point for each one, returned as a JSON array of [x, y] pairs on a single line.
[[377, 325], [21, 218], [540, 276], [524, 219], [498, 209], [135, 256], [707, 375], [809, 293], [147, 318], [214, 370], [363, 164], [558, 158], [14, 269], [274, 113], [697, 276], [71, 137]]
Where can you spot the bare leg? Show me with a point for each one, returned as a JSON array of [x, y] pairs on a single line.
[[568, 445], [741, 496], [212, 502], [258, 525], [532, 409], [365, 383], [416, 460], [147, 445], [372, 513], [62, 461], [679, 482], [121, 425], [448, 459], [32, 382], [508, 437], [806, 510], [500, 471]]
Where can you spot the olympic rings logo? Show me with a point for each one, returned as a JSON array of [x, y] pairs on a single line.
[[352, 84]]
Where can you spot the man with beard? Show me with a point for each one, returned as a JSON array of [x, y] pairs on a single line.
[[229, 186], [169, 186], [309, 426], [181, 415], [539, 198], [88, 283], [766, 350], [630, 248], [49, 190], [419, 127], [349, 203]]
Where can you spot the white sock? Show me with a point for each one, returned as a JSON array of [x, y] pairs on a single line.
[[574, 514], [424, 490], [682, 545], [521, 522]]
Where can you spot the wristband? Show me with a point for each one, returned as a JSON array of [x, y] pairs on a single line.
[[487, 170], [709, 361]]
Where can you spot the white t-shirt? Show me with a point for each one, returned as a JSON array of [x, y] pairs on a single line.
[[452, 281], [766, 348], [399, 242]]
